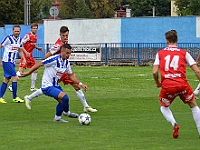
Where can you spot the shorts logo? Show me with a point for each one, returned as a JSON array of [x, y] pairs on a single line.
[[189, 97], [166, 101]]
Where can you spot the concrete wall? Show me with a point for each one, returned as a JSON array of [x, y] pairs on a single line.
[[116, 30], [152, 30], [85, 31]]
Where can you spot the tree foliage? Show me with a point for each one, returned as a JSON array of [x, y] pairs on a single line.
[[188, 7], [12, 11], [10, 14], [88, 8], [103, 8], [145, 7]]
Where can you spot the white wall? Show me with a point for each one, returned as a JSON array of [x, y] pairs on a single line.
[[197, 27], [84, 31]]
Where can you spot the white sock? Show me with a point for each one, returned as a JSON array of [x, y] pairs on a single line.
[[196, 117], [33, 79], [81, 96], [37, 93], [167, 113], [57, 117], [196, 91]]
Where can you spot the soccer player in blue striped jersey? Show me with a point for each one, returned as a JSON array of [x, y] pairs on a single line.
[[12, 45], [55, 67]]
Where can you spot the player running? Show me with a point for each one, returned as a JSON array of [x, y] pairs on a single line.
[[56, 49], [55, 66], [172, 62]]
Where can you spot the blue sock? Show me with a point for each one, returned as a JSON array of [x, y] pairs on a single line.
[[3, 89], [59, 109], [14, 88], [65, 103]]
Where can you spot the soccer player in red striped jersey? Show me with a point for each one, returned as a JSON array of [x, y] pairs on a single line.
[[171, 62], [56, 49]]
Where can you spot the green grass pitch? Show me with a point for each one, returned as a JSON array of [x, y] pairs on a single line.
[[128, 116]]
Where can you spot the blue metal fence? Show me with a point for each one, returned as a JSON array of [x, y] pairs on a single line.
[[127, 51]]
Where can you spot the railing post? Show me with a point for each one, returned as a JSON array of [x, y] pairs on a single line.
[[47, 49], [106, 54], [138, 54]]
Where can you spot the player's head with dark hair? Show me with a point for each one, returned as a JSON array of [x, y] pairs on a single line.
[[16, 31], [171, 37], [16, 26], [34, 25], [68, 46], [64, 32], [64, 29], [66, 51]]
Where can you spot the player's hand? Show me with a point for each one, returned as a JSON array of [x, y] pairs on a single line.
[[40, 49], [158, 85], [28, 54], [84, 86]]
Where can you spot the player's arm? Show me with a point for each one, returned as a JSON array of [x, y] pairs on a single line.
[[155, 75], [39, 48], [54, 49], [48, 54], [21, 54], [196, 71], [155, 71], [76, 81], [198, 58], [1, 46], [35, 67]]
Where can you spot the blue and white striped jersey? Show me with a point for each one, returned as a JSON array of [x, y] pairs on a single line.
[[54, 69], [11, 46]]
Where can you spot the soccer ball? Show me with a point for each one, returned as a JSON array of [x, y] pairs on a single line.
[[84, 119]]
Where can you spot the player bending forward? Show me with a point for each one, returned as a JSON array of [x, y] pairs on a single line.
[[55, 66], [56, 49]]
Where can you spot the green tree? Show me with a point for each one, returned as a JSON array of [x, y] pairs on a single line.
[[44, 12], [103, 8], [67, 9], [35, 9], [82, 10], [188, 7], [145, 7], [12, 11]]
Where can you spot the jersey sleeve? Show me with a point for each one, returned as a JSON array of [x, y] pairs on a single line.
[[54, 49], [156, 62], [26, 38], [5, 41], [189, 59]]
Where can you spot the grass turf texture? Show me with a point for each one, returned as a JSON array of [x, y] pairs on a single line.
[[128, 116]]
